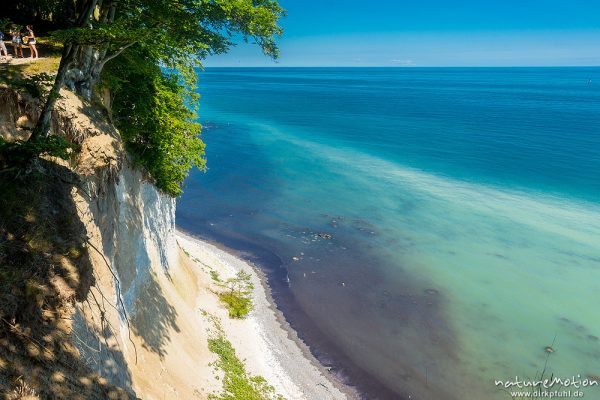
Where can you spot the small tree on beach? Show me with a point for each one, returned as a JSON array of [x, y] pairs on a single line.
[[237, 294]]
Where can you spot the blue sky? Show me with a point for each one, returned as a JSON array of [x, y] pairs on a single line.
[[432, 33]]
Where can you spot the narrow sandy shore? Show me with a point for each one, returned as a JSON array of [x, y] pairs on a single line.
[[262, 341]]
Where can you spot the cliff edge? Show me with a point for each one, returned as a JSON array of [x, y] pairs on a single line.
[[88, 249], [101, 298]]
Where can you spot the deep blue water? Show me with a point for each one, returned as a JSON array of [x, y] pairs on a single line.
[[536, 127], [463, 204]]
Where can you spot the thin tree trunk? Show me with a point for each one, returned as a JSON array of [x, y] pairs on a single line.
[[43, 125], [90, 57], [95, 59]]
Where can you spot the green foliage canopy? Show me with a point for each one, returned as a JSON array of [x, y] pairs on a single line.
[[154, 107], [157, 126], [150, 49], [177, 33]]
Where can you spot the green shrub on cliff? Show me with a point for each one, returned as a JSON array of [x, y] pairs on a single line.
[[17, 153], [150, 108]]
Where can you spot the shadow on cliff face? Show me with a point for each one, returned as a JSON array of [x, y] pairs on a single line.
[[100, 350], [154, 318], [44, 270]]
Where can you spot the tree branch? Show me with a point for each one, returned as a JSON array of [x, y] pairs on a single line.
[[116, 53]]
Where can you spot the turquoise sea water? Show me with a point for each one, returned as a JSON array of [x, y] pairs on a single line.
[[463, 207]]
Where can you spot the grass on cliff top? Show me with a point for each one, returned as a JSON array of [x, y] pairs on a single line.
[[34, 78], [49, 51], [237, 383], [32, 75]]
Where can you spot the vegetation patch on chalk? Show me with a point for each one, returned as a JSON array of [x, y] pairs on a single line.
[[237, 383], [236, 293]]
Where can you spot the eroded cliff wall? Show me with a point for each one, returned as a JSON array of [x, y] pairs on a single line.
[[136, 326]]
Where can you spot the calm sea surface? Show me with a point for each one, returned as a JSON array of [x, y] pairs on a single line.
[[426, 231]]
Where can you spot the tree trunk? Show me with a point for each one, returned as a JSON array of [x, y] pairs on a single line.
[[42, 128], [69, 56], [88, 63]]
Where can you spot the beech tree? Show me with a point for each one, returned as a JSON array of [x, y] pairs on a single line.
[[145, 52], [177, 34]]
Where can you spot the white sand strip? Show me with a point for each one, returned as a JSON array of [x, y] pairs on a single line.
[[267, 348]]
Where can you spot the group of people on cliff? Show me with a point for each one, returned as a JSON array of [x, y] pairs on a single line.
[[18, 38]]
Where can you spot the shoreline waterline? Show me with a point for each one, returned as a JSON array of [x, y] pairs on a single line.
[[406, 231], [290, 351]]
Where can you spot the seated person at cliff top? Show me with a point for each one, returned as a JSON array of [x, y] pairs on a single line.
[[17, 43]]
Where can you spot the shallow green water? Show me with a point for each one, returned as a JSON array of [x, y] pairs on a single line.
[[465, 230]]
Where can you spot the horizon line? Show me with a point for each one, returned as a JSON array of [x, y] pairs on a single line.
[[401, 67]]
